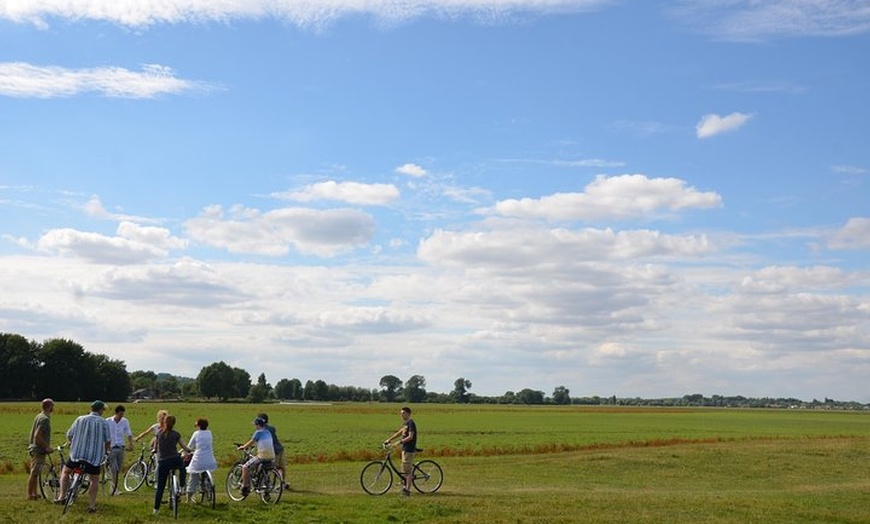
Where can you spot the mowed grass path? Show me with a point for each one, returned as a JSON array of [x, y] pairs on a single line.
[[525, 465]]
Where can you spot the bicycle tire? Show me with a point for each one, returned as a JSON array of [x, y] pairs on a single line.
[[72, 492], [206, 489], [49, 482], [376, 478], [234, 483], [105, 480], [427, 476], [271, 486], [174, 493], [150, 471], [135, 476]]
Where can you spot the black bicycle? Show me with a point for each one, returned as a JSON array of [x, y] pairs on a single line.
[[49, 475], [376, 477], [141, 471], [265, 480]]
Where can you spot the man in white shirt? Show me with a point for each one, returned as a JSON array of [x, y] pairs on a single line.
[[119, 428]]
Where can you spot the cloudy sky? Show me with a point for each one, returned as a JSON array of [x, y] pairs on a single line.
[[620, 197]]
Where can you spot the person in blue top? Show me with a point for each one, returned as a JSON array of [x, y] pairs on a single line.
[[408, 439], [265, 451], [89, 438]]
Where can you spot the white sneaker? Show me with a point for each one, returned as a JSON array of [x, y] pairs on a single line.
[[156, 511]]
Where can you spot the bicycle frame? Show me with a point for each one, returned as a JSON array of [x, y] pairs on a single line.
[[376, 477]]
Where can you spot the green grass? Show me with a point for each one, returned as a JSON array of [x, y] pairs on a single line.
[[520, 465]]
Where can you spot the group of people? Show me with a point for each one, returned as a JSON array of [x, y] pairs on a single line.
[[92, 438]]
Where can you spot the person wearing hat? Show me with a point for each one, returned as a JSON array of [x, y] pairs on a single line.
[[265, 451], [89, 438]]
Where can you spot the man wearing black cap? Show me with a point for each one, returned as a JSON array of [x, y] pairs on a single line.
[[89, 438]]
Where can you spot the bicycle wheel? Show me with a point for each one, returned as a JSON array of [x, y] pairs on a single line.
[[72, 492], [105, 480], [271, 486], [150, 471], [234, 483], [49, 482], [376, 478], [174, 493], [135, 476], [427, 476], [206, 489]]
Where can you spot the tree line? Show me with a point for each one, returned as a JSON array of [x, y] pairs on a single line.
[[63, 370]]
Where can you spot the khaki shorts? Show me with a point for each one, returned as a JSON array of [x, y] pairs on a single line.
[[280, 462], [407, 460], [36, 460]]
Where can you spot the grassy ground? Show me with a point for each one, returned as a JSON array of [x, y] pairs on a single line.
[[767, 481], [524, 465]]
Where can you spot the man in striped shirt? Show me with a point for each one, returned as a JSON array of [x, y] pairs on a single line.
[[89, 438]]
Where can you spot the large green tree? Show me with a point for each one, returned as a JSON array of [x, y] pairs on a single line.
[[18, 367], [460, 390], [391, 386], [216, 380], [415, 389]]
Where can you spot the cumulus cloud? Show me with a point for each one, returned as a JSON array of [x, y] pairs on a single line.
[[133, 244], [618, 197], [536, 248], [411, 170], [310, 231], [751, 20], [144, 13], [712, 124], [22, 80], [350, 192]]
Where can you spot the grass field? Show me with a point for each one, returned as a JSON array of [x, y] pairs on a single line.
[[514, 464]]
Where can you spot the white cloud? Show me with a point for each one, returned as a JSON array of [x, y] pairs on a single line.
[[94, 207], [712, 124], [143, 13], [411, 170], [752, 20], [314, 232], [849, 170], [350, 192], [854, 235], [618, 197], [22, 80], [134, 245]]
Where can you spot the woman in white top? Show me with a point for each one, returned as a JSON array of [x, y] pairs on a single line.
[[203, 455]]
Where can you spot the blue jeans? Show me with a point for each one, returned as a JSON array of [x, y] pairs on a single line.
[[164, 468]]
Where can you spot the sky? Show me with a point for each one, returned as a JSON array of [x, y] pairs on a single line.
[[620, 197]]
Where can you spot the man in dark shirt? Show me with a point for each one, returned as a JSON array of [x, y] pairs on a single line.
[[408, 439]]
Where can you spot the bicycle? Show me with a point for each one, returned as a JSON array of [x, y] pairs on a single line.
[[80, 481], [141, 471], [205, 491], [49, 475], [107, 484], [174, 491], [266, 481], [376, 477]]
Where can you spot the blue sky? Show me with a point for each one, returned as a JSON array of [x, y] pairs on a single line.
[[620, 197]]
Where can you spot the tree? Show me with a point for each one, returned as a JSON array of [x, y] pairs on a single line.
[[415, 389], [241, 382], [309, 393], [561, 395], [460, 390], [18, 366], [391, 385], [65, 373], [260, 391], [530, 396], [216, 380], [113, 381]]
